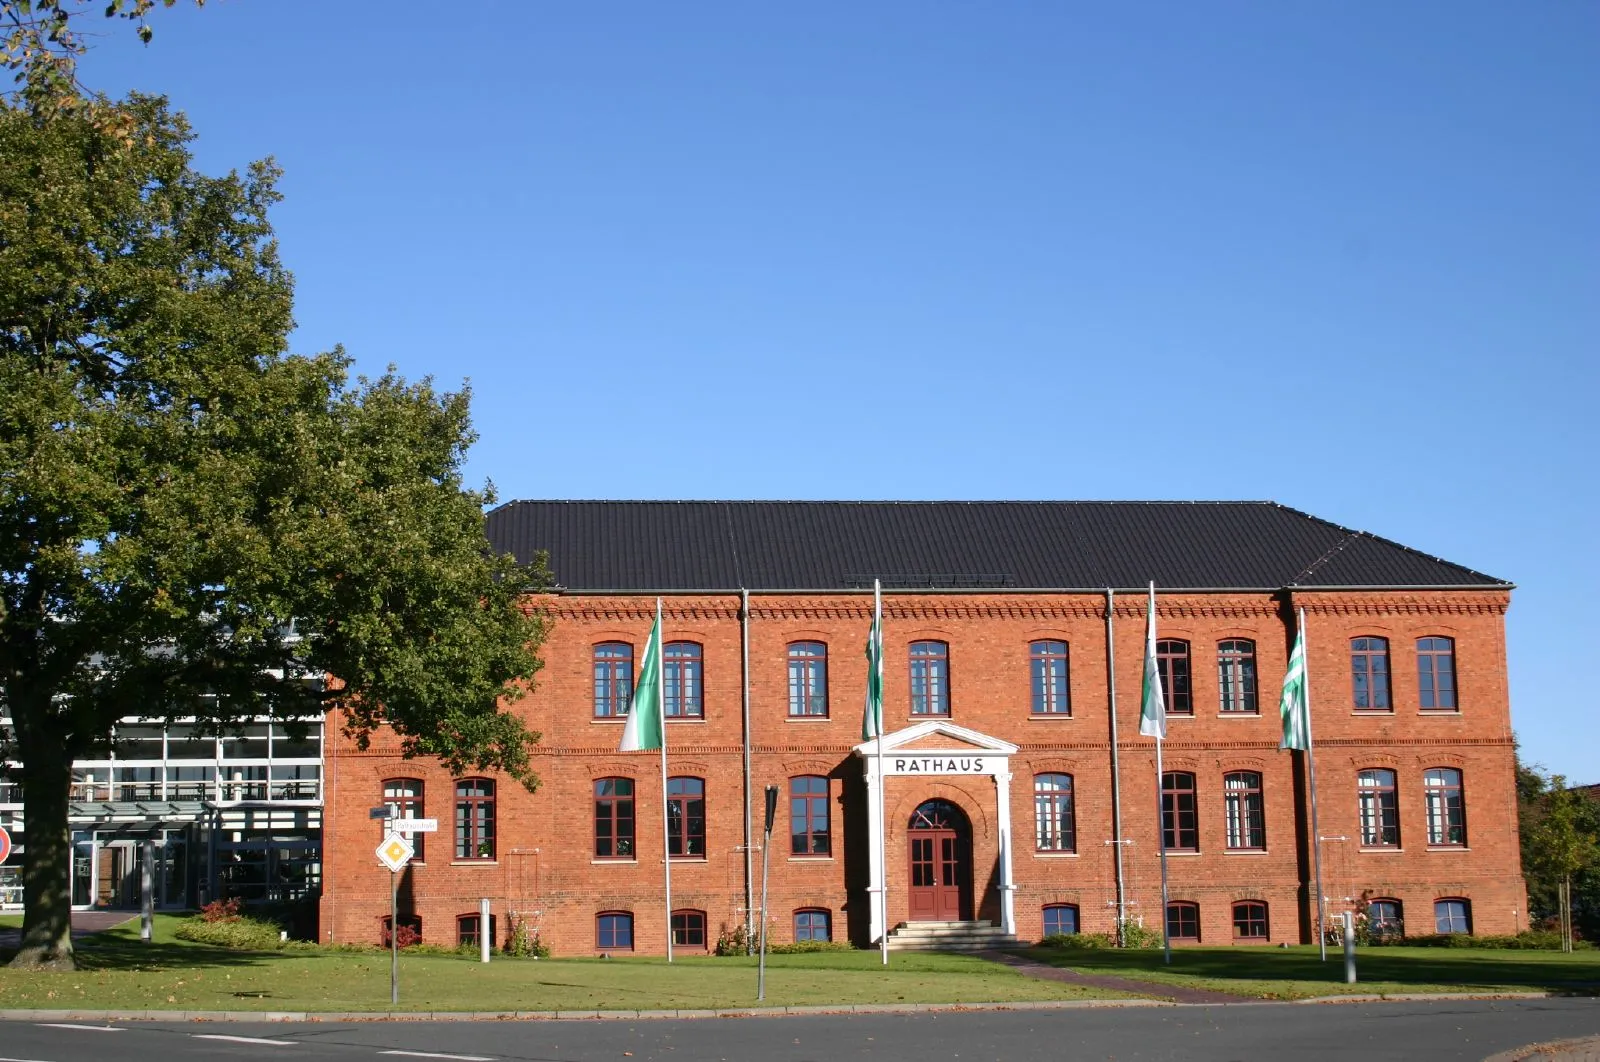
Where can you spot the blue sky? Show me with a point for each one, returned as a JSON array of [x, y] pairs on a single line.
[[1346, 257]]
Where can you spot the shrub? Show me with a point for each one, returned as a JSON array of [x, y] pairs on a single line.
[[1136, 936], [221, 911], [236, 931], [1079, 941], [522, 941], [803, 947], [1527, 940], [732, 941]]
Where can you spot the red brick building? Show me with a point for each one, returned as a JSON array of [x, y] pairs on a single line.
[[1007, 769]]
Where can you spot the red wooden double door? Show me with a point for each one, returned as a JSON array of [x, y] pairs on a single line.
[[940, 845]]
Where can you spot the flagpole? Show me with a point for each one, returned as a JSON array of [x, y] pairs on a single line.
[[666, 829], [1161, 840], [1311, 773], [1153, 723], [883, 827]]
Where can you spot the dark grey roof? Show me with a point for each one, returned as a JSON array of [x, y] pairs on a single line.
[[808, 545]]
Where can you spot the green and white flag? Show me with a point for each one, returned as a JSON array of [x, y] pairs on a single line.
[[872, 717], [1295, 707], [645, 722], [1152, 705]]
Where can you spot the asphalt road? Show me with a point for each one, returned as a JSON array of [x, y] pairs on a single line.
[[1371, 1032]]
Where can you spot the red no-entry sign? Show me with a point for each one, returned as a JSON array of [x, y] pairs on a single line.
[[5, 845]]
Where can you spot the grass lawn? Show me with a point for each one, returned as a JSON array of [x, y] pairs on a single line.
[[1297, 973], [121, 973], [10, 921]]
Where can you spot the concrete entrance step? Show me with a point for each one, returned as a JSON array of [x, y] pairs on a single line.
[[950, 936]]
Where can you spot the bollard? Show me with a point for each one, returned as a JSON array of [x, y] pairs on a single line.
[[1349, 948], [483, 930], [147, 888]]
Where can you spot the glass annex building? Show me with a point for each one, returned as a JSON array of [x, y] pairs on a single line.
[[239, 815]]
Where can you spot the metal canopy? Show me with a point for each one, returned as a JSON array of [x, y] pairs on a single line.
[[136, 812]]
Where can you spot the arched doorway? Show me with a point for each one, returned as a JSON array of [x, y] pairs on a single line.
[[939, 839]]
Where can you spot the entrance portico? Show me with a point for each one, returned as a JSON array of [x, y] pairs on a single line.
[[936, 748]]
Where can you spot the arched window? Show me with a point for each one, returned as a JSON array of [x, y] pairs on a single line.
[[686, 817], [808, 816], [930, 678], [614, 931], [613, 818], [1060, 919], [1236, 675], [1245, 810], [1369, 673], [813, 923], [1447, 808], [1172, 660], [689, 929], [613, 679], [474, 818], [1250, 920], [1055, 826], [1436, 673], [1180, 822], [808, 679], [467, 931], [1048, 661], [410, 931], [403, 798], [1379, 807], [1183, 921], [1385, 919], [683, 680], [1452, 915]]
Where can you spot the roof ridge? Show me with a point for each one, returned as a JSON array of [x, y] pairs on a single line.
[[1353, 533]]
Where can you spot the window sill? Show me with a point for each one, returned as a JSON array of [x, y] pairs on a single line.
[[676, 860], [1381, 848], [607, 720], [1372, 711], [928, 715], [613, 862], [1439, 711], [1448, 848], [1186, 852], [807, 719], [1055, 855], [474, 862], [1185, 716], [1238, 715], [1245, 851], [811, 859], [686, 718]]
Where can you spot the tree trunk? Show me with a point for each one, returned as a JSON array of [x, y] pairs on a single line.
[[47, 863]]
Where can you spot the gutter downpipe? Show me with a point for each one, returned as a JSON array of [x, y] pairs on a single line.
[[744, 674], [1116, 771]]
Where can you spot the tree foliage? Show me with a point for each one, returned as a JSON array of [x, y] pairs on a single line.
[[41, 40], [193, 520], [1559, 826]]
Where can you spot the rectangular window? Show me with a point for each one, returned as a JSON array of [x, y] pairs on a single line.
[[1172, 660], [1048, 661], [1055, 829], [930, 678], [1180, 820], [1447, 810], [1380, 809], [813, 925], [475, 818], [1245, 810], [1369, 673], [1060, 920], [1452, 916], [1236, 675], [683, 681], [613, 679], [403, 798], [808, 679], [686, 817], [1436, 674], [613, 818], [808, 816]]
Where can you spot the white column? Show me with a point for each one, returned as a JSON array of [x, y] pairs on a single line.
[[1008, 888], [874, 850]]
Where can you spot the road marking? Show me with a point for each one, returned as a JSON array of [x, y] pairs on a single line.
[[430, 1054], [69, 1025], [245, 1039]]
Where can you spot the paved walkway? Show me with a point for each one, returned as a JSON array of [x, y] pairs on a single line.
[[1150, 989], [84, 923]]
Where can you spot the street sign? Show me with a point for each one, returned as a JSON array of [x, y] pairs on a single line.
[[5, 845], [395, 852], [416, 825], [379, 813]]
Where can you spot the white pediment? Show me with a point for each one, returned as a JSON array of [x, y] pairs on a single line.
[[924, 738]]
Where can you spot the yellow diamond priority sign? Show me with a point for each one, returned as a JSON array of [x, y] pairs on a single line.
[[395, 852]]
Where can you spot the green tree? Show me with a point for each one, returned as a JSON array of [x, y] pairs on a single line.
[[193, 520], [41, 40], [1559, 827]]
